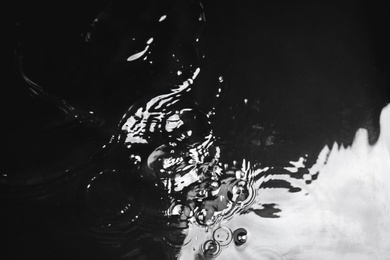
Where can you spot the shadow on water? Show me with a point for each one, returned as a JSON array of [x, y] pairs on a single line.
[[146, 127]]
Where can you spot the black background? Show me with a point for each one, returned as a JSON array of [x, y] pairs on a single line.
[[313, 72]]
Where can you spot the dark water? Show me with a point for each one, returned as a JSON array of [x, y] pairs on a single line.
[[97, 129]]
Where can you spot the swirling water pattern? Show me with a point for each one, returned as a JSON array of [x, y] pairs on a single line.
[[166, 181]]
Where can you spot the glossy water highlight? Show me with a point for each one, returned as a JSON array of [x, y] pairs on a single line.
[[167, 185]]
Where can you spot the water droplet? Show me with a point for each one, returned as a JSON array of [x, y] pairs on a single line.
[[211, 248], [138, 54], [162, 18], [149, 41]]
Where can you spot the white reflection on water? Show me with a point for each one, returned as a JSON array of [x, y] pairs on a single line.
[[344, 214]]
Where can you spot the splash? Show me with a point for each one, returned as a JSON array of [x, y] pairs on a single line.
[[161, 171], [343, 214], [165, 178], [214, 208]]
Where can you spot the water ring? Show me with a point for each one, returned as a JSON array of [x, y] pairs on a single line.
[[240, 236], [223, 236], [211, 248]]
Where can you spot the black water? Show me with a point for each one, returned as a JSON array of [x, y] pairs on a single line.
[[295, 77]]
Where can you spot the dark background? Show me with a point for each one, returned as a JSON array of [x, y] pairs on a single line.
[[312, 74]]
